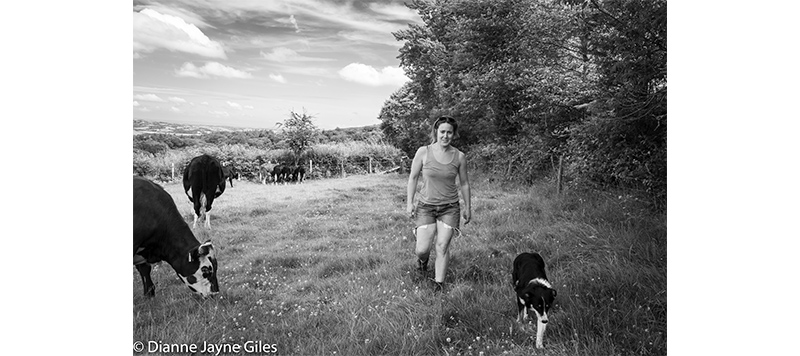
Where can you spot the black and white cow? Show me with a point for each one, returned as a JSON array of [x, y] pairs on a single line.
[[161, 234], [203, 181], [265, 172], [229, 171], [299, 174], [277, 173], [286, 173]]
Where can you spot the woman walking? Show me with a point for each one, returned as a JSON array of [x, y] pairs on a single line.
[[438, 213]]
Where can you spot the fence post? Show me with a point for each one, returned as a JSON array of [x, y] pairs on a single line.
[[342, 163], [370, 165], [560, 174], [173, 171], [310, 166]]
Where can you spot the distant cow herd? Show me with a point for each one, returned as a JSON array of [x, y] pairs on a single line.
[[281, 173], [161, 234]]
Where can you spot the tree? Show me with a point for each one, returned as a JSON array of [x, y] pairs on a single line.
[[403, 120], [299, 133], [535, 80], [623, 141]]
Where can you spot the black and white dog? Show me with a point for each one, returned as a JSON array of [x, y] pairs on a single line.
[[534, 292]]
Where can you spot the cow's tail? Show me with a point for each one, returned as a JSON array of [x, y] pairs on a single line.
[[204, 178], [203, 204]]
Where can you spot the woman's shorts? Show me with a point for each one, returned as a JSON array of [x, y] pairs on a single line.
[[426, 214]]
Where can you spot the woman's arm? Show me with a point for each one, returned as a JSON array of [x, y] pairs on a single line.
[[413, 176], [463, 178]]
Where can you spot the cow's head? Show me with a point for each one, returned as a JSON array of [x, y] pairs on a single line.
[[200, 273]]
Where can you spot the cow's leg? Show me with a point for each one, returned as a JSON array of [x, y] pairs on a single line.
[[197, 214], [199, 201], [147, 282], [209, 201]]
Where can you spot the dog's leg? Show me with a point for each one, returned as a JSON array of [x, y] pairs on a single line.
[[540, 334], [522, 315], [541, 325]]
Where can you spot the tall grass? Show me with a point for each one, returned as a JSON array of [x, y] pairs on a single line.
[[327, 268]]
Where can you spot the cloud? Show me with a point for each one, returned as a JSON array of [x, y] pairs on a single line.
[[234, 105], [188, 69], [278, 78], [135, 103], [294, 23], [148, 97], [153, 30], [283, 55], [280, 54], [395, 12], [250, 107], [176, 99], [174, 109], [179, 12], [367, 75], [369, 37]]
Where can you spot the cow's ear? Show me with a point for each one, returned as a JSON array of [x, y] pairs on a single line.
[[205, 248]]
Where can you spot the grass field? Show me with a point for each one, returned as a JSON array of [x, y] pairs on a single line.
[[327, 268]]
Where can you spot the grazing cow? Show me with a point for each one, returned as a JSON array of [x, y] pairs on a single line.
[[160, 234], [203, 181], [265, 172], [286, 173], [299, 174], [229, 171], [277, 173]]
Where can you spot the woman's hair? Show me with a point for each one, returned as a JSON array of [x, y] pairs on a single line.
[[443, 120]]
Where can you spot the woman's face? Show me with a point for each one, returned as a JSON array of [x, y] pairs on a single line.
[[444, 134]]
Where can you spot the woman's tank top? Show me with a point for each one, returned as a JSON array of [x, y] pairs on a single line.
[[439, 179]]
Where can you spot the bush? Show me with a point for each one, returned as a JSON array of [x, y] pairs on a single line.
[[606, 153], [523, 162]]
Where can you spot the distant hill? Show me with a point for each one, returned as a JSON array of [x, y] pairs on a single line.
[[158, 127], [144, 126]]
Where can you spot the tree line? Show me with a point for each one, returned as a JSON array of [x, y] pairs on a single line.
[[535, 81]]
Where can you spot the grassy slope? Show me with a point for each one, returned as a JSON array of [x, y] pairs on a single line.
[[327, 268]]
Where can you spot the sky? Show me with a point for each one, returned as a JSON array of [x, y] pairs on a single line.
[[250, 63]]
